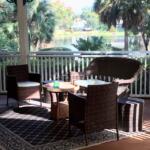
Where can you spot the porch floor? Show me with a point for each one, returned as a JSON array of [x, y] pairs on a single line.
[[138, 142], [141, 142]]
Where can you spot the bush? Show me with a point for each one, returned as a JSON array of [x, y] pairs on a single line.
[[92, 43], [56, 49]]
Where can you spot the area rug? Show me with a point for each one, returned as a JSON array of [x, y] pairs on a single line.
[[30, 128]]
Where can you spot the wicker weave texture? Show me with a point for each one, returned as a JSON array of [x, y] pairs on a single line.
[[29, 93], [101, 107], [117, 67], [19, 73], [98, 111]]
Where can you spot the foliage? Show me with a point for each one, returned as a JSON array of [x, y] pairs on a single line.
[[10, 45], [134, 43], [92, 43], [91, 18], [103, 27], [64, 16], [131, 12], [41, 23], [111, 12], [8, 29], [145, 29], [55, 49]]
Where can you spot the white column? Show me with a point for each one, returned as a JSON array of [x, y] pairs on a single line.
[[23, 31]]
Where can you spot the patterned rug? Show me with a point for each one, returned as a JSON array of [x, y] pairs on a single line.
[[30, 128]]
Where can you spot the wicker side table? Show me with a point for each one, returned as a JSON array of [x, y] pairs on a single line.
[[47, 97], [130, 114], [59, 106]]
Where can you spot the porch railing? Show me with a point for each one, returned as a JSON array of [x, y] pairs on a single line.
[[57, 65]]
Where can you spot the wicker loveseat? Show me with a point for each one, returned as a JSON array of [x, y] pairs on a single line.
[[117, 69], [114, 69]]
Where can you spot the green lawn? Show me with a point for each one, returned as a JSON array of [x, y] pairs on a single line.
[[60, 34]]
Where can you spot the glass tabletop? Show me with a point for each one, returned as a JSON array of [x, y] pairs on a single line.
[[85, 83]]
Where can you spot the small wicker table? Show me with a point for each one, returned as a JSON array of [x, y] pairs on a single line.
[[83, 84], [59, 107]]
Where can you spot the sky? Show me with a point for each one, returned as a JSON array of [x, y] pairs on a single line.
[[78, 5]]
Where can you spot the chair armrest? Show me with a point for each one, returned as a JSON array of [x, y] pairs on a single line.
[[124, 81], [11, 85], [130, 80], [11, 81], [76, 107], [35, 77]]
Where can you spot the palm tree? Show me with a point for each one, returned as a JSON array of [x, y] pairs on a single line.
[[131, 12], [145, 30], [8, 30], [41, 23]]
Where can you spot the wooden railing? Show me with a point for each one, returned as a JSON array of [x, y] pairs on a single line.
[[57, 65]]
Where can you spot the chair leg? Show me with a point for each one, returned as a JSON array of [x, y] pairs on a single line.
[[117, 134], [117, 131], [117, 123], [40, 100], [69, 128], [85, 136], [7, 101], [18, 103]]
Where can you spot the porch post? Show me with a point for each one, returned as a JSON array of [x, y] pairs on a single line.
[[23, 31]]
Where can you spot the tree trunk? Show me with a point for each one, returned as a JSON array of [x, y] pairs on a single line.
[[126, 39], [37, 45], [146, 41]]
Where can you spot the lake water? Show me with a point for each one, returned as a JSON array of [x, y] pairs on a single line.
[[117, 41], [68, 42]]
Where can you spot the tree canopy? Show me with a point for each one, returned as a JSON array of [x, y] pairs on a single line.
[[41, 23], [131, 12], [8, 29], [145, 30], [91, 18], [63, 15]]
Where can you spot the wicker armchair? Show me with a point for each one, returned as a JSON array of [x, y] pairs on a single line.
[[95, 112], [22, 85], [118, 69]]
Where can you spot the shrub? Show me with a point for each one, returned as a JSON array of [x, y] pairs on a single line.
[[92, 43]]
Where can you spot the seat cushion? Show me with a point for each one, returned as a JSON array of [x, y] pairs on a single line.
[[28, 84]]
